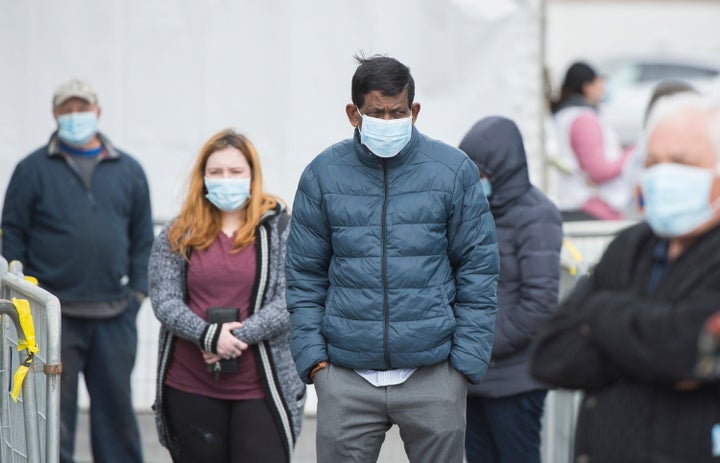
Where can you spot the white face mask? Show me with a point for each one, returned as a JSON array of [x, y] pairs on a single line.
[[77, 128], [486, 186], [385, 138], [677, 198], [227, 194]]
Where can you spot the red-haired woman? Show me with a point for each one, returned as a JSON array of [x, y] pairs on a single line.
[[227, 387]]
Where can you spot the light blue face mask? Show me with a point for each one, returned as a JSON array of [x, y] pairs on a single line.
[[385, 138], [608, 94], [227, 194], [486, 186], [676, 198], [76, 129]]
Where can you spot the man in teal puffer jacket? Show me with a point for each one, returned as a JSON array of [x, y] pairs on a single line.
[[392, 268]]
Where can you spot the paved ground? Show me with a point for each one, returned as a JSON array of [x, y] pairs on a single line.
[[392, 450]]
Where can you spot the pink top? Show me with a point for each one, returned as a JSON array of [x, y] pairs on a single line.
[[588, 144], [217, 278]]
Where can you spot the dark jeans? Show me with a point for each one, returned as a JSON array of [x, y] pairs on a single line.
[[103, 350], [504, 430], [219, 431]]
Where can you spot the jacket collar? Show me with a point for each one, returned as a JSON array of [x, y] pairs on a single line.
[[110, 151], [270, 213], [699, 259], [575, 101], [369, 159]]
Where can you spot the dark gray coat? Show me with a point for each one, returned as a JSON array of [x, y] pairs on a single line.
[[529, 235], [84, 243], [628, 346]]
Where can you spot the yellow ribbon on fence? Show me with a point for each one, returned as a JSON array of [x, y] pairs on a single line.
[[28, 329], [577, 257]]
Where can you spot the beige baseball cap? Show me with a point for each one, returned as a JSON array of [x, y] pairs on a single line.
[[74, 88]]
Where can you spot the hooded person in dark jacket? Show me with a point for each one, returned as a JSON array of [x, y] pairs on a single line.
[[505, 408]]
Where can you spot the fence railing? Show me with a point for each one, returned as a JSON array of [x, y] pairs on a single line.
[[30, 426], [584, 243]]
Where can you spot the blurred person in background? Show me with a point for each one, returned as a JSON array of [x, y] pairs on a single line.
[[227, 391], [504, 410], [77, 215], [634, 166], [628, 334], [584, 180]]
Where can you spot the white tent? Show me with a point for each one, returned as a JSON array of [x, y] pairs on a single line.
[[170, 73]]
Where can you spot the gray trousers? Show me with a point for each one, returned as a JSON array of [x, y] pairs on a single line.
[[353, 415]]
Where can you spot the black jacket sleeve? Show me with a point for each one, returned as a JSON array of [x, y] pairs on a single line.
[[17, 213], [564, 354], [610, 327]]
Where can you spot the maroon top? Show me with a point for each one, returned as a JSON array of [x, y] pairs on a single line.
[[217, 278]]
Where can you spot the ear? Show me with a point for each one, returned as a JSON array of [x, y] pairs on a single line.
[[353, 114], [715, 189], [99, 112], [587, 87], [415, 110]]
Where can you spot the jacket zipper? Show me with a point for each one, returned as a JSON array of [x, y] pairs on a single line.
[[386, 310]]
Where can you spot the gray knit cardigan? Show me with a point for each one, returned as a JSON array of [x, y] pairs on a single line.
[[266, 330]]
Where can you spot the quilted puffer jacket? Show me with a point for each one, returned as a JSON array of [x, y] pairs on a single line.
[[392, 263]]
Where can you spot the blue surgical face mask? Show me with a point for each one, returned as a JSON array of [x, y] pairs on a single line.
[[608, 94], [227, 194], [385, 138], [486, 186], [676, 198], [77, 128]]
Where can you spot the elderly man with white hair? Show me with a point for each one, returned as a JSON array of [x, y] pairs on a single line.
[[628, 334]]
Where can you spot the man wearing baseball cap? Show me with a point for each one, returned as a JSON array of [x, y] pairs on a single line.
[[77, 215]]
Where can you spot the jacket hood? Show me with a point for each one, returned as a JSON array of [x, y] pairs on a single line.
[[496, 146]]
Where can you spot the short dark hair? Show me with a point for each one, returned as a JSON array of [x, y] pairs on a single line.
[[382, 73]]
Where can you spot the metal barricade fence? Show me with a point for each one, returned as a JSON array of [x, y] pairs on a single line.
[[30, 427], [583, 245]]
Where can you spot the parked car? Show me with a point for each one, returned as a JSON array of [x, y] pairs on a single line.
[[630, 82]]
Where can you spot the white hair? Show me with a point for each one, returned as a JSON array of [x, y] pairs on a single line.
[[677, 104]]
